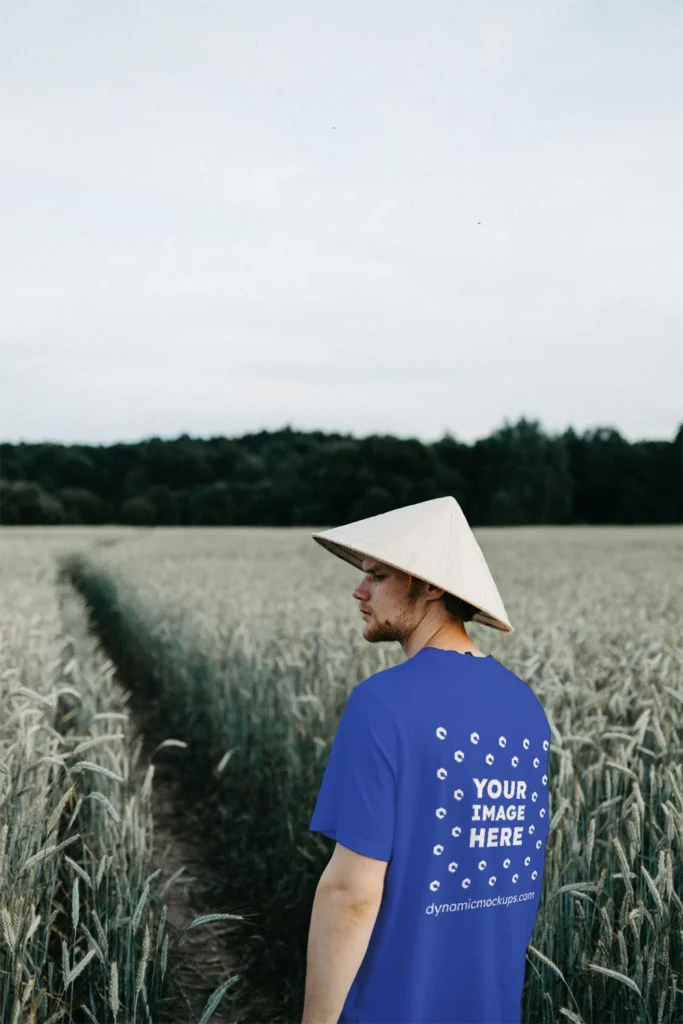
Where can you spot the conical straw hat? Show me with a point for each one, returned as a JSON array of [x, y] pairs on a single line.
[[431, 540]]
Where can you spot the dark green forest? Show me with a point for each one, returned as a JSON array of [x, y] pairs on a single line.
[[517, 475]]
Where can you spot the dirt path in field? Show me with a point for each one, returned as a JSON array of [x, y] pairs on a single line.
[[203, 958]]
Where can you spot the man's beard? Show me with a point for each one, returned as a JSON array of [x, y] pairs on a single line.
[[398, 630]]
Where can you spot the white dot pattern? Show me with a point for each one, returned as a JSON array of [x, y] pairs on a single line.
[[524, 867]]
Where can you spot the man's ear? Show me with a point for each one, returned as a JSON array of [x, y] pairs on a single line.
[[433, 593]]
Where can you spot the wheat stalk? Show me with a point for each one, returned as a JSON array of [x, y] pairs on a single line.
[[615, 974], [114, 988]]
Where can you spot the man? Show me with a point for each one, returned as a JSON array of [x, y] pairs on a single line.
[[435, 793]]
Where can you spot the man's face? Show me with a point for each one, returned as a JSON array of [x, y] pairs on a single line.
[[394, 611]]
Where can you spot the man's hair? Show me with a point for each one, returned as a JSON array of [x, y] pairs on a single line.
[[458, 609]]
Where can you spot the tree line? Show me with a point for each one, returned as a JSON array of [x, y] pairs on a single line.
[[518, 475]]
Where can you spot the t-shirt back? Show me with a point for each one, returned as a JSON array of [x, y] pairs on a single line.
[[439, 766]]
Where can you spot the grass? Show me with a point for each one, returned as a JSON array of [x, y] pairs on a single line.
[[245, 644], [83, 932]]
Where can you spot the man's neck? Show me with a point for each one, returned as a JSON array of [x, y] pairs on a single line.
[[446, 637]]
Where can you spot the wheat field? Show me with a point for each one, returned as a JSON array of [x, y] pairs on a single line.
[[83, 932], [245, 643]]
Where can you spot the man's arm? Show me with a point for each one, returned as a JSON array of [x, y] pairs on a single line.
[[338, 939]]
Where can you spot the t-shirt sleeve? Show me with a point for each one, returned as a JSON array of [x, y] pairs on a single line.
[[356, 804]]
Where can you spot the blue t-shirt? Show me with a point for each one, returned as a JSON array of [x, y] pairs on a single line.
[[439, 765]]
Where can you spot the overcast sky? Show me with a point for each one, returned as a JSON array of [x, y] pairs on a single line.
[[393, 217]]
